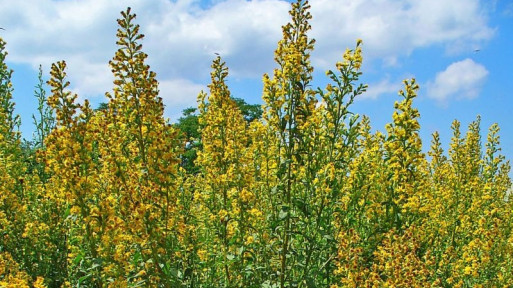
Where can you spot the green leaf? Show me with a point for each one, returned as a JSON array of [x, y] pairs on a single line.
[[284, 212]]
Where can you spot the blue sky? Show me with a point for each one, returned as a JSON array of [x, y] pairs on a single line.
[[460, 51]]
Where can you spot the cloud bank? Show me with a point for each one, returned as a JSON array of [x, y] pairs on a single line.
[[183, 35], [393, 29], [460, 80]]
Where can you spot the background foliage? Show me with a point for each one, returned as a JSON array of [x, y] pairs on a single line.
[[300, 192]]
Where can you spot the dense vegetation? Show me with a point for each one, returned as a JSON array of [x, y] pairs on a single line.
[[304, 195]]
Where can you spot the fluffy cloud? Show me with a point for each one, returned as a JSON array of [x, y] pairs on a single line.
[[179, 92], [374, 90], [392, 29], [183, 35], [460, 80], [244, 33], [181, 38]]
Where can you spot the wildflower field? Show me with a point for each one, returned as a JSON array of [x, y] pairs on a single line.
[[307, 195]]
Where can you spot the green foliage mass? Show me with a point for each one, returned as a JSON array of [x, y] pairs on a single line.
[[189, 126]]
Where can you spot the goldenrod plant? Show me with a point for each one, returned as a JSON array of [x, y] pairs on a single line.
[[224, 194], [305, 194]]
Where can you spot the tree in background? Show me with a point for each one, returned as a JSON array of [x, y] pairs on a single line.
[[190, 129]]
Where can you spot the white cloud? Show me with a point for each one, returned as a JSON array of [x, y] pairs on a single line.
[[244, 33], [178, 94], [394, 28], [384, 86], [460, 80], [182, 36]]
